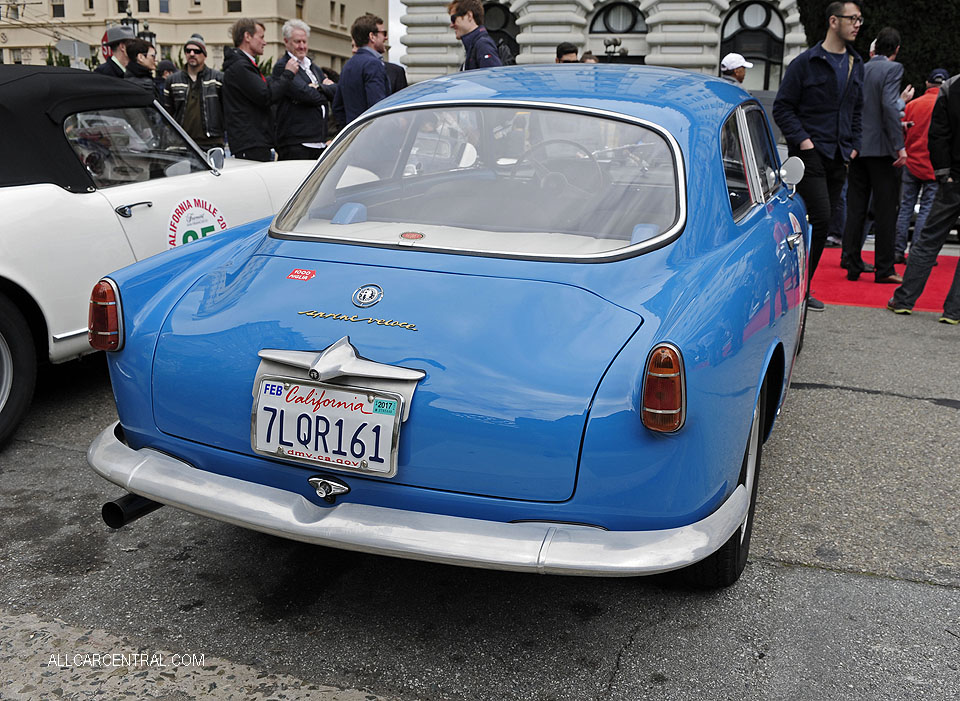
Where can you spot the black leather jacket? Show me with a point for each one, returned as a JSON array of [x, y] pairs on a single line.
[[175, 99]]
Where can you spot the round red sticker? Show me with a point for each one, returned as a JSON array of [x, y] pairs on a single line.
[[411, 235]]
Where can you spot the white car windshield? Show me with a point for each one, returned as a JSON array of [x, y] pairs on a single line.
[[509, 180]]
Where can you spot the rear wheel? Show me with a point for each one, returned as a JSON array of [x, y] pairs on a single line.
[[723, 568], [18, 368]]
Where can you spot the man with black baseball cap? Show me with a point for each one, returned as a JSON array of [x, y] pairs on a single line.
[[194, 96], [119, 37]]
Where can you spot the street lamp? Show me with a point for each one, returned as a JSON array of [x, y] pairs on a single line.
[[129, 21], [147, 35]]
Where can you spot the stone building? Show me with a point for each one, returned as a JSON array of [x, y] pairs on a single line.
[[29, 27], [691, 35]]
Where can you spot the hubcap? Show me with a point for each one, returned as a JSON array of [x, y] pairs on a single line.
[[6, 372]]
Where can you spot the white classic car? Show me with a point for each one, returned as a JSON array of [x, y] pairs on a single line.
[[94, 175]]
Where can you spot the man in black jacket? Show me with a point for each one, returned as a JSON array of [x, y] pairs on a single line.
[[301, 124], [818, 109], [119, 37], [943, 140], [194, 96], [247, 94]]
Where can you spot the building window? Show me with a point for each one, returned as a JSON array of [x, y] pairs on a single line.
[[234, 6], [90, 5], [122, 6], [618, 18], [755, 30], [333, 12], [13, 12], [343, 15], [56, 8], [1, 57], [299, 9], [16, 56], [165, 7], [143, 5]]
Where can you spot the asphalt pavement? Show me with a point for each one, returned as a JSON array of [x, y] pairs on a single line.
[[852, 590]]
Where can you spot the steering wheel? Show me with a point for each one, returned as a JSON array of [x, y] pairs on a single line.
[[553, 178]]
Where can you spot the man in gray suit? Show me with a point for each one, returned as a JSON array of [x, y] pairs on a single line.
[[875, 168]]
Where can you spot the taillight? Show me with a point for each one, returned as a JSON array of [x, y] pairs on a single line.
[[104, 329], [664, 394]]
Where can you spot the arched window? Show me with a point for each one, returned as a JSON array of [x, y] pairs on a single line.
[[755, 30], [619, 18], [501, 25]]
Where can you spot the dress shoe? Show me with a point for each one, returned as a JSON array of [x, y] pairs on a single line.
[[853, 274], [890, 280], [867, 268]]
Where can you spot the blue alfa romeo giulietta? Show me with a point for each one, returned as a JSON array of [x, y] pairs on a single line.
[[528, 318]]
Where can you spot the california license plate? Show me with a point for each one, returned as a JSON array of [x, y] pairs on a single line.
[[343, 428]]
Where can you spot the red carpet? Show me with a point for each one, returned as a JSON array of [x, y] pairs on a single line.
[[830, 284]]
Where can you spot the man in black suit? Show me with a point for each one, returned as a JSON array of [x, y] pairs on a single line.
[[119, 38], [301, 120], [875, 169]]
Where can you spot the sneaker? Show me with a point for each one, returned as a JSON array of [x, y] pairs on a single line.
[[897, 310], [833, 242], [814, 304], [948, 320]]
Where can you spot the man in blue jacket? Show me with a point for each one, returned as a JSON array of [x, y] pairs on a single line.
[[363, 80], [818, 109], [466, 20]]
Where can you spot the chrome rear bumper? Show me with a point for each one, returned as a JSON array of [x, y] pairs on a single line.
[[547, 548]]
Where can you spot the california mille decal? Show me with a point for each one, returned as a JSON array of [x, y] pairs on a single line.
[[193, 218], [360, 319]]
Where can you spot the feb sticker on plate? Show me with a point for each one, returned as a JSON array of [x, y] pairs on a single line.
[[300, 274]]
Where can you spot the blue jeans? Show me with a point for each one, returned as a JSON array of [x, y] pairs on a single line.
[[911, 187], [927, 243]]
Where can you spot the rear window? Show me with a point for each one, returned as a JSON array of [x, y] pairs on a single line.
[[508, 180]]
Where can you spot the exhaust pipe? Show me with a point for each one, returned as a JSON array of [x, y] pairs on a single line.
[[120, 512]]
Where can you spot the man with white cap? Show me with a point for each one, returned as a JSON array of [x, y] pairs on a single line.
[[118, 38], [734, 67]]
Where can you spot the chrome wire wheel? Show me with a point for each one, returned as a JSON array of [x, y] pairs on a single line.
[[6, 372]]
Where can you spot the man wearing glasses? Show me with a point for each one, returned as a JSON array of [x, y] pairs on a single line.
[[193, 96], [363, 81], [466, 20], [818, 109]]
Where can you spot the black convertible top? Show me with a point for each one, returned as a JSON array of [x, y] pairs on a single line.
[[34, 101]]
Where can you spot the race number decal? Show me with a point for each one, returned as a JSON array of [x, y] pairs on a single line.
[[193, 218]]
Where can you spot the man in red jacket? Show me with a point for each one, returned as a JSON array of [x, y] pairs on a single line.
[[918, 177]]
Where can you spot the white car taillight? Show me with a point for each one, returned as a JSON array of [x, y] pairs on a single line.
[[104, 326], [664, 392]]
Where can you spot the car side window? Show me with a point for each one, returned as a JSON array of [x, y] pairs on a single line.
[[735, 167], [763, 151], [129, 145]]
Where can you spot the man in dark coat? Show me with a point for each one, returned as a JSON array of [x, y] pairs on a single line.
[[301, 120], [396, 77], [363, 80], [943, 140], [874, 170], [466, 20], [194, 96], [247, 94], [119, 38], [818, 109]]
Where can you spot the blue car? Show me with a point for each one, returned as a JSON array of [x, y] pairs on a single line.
[[529, 318]]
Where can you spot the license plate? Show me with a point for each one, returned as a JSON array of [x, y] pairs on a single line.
[[344, 428]]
